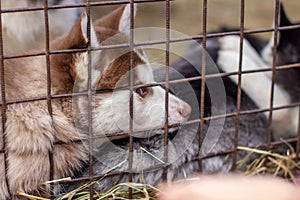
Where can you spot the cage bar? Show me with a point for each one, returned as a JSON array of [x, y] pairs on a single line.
[[131, 83], [49, 99], [167, 63], [276, 35], [239, 85], [203, 80]]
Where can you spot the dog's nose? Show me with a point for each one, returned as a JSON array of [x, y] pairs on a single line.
[[185, 110]]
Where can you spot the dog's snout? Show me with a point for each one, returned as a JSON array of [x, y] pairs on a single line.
[[184, 110]]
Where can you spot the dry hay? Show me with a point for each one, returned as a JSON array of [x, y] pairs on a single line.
[[268, 162]]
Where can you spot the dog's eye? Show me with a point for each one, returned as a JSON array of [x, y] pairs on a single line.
[[142, 91]]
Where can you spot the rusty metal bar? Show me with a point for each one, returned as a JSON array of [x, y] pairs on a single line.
[[195, 37], [203, 80], [90, 98], [3, 106], [275, 143], [49, 100], [131, 83], [78, 5], [167, 63], [276, 31], [239, 91], [210, 76], [272, 144], [119, 135], [256, 111]]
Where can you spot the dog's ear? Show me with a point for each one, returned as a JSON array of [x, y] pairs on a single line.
[[107, 28], [78, 36], [74, 64], [118, 20], [283, 19]]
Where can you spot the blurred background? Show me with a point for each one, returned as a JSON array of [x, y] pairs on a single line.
[[186, 17]]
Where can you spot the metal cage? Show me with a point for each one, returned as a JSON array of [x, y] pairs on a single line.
[[87, 5]]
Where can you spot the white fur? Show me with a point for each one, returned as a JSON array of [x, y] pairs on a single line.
[[258, 85], [83, 68], [267, 52], [124, 25], [94, 41], [149, 112], [25, 30]]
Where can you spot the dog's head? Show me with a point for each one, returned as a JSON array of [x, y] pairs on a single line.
[[110, 69]]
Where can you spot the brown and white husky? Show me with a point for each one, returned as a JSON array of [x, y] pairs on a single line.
[[31, 133]]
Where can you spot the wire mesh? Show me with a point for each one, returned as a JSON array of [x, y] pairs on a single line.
[[112, 136]]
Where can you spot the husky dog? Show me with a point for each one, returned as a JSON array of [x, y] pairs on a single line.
[[23, 31], [184, 144], [30, 131]]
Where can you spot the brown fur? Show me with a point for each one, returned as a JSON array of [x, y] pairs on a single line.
[[114, 73], [30, 132]]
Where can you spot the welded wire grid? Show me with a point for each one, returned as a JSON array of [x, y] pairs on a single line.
[[202, 119]]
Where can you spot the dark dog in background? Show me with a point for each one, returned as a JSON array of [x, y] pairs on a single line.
[[226, 49], [288, 52]]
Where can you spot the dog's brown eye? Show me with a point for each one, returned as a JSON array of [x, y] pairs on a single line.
[[142, 91]]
